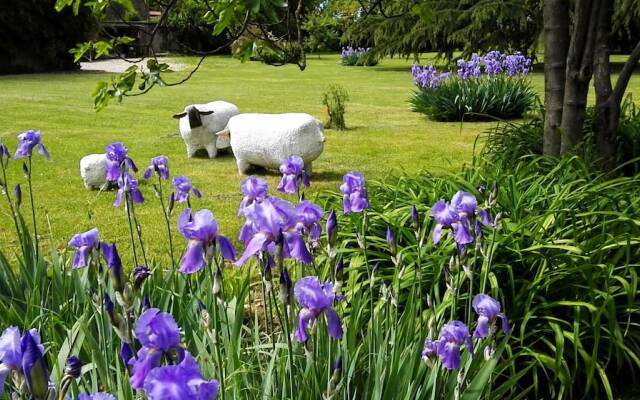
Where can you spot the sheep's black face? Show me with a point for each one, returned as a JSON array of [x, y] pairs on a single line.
[[194, 117]]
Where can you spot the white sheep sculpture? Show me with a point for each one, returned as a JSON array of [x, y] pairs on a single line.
[[93, 169], [267, 140], [199, 124]]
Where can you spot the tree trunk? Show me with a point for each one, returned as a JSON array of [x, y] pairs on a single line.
[[579, 72], [556, 38], [606, 110]]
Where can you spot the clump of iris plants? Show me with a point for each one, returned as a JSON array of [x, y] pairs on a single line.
[[489, 86], [285, 311], [357, 56]]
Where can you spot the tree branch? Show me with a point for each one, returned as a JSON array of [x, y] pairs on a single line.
[[625, 74]]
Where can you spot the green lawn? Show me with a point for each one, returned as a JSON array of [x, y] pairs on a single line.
[[384, 137]]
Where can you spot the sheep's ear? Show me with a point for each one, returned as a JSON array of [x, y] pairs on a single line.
[[224, 132], [179, 115], [205, 112]]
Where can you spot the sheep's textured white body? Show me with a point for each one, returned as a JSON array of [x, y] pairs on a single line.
[[267, 140], [93, 169], [204, 137]]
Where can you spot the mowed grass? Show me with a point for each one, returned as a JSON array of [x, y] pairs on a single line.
[[384, 137]]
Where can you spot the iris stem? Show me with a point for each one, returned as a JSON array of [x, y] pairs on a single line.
[[138, 232], [371, 278], [11, 207], [133, 242], [285, 323], [168, 222], [33, 215], [215, 333]]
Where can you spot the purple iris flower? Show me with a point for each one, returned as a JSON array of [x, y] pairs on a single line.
[[117, 158], [128, 184], [183, 187], [460, 217], [34, 366], [354, 193], [96, 396], [178, 382], [29, 140], [84, 243], [453, 335], [202, 232], [111, 256], [488, 310], [160, 165], [159, 336], [309, 216], [293, 174], [266, 223], [10, 354], [254, 189], [316, 298]]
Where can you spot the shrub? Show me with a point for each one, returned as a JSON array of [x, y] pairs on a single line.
[[494, 86], [358, 57], [334, 99]]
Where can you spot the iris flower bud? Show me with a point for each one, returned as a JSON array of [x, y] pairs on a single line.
[[73, 367], [391, 240], [285, 286], [18, 193], [140, 274], [332, 228]]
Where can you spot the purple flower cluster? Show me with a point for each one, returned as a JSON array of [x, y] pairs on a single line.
[[462, 216], [516, 64], [349, 52], [493, 63], [159, 337], [273, 222], [428, 77], [455, 333], [471, 68]]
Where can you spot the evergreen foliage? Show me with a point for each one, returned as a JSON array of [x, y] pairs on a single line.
[[36, 38]]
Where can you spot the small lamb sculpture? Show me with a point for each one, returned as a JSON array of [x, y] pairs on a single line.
[[199, 124], [93, 169], [267, 140]]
